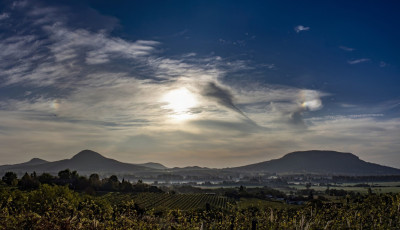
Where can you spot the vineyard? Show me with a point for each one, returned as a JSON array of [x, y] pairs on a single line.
[[181, 201], [58, 207]]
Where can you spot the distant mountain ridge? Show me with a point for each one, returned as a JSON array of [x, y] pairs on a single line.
[[33, 161], [301, 162], [85, 161], [320, 162], [36, 161]]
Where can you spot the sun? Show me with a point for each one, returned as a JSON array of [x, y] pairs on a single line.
[[180, 102]]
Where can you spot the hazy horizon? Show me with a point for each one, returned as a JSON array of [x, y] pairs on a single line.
[[213, 84], [191, 165], [168, 166]]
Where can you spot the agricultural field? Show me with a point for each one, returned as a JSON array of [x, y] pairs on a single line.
[[181, 201], [58, 207], [114, 204], [381, 187], [245, 203]]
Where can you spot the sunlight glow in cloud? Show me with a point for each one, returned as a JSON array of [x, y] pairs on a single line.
[[180, 101], [55, 105], [310, 100]]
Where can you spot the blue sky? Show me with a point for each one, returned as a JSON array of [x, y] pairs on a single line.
[[209, 83]]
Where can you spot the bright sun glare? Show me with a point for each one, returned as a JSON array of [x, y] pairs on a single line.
[[180, 101]]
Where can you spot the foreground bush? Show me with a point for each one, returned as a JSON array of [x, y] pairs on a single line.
[[58, 207]]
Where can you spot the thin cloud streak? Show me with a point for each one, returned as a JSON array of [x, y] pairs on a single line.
[[358, 61], [345, 48]]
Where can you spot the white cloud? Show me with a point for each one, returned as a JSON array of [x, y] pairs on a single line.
[[357, 61], [270, 66], [346, 105], [350, 116], [188, 55], [301, 28], [310, 99], [345, 48], [4, 16], [49, 58]]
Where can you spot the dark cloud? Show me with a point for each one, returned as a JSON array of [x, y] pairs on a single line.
[[296, 118], [225, 98], [221, 96]]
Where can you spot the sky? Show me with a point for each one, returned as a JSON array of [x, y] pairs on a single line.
[[207, 83]]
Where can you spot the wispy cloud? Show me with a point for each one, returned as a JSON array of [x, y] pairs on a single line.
[[235, 43], [358, 61], [345, 48], [350, 116], [301, 28], [4, 16], [382, 64], [269, 66], [346, 105]]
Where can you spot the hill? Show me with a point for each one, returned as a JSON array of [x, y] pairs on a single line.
[[302, 162], [86, 161], [153, 165], [320, 162], [33, 161]]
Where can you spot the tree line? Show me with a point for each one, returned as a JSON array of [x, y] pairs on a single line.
[[76, 182]]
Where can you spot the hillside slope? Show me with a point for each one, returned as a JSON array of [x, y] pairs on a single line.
[[320, 162], [84, 161]]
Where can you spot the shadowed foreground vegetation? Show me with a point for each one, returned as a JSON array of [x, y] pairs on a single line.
[[58, 207]]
